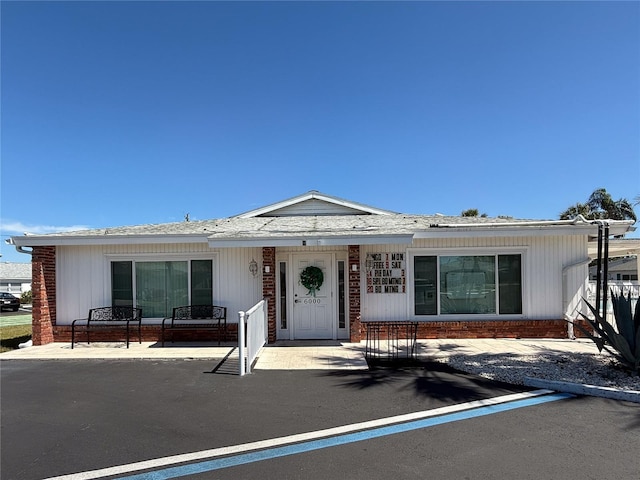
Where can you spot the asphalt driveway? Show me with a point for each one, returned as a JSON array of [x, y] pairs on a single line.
[[64, 417]]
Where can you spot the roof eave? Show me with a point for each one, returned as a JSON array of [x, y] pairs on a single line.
[[310, 240], [522, 229], [81, 240]]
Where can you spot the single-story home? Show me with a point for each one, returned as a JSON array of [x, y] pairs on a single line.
[[325, 265], [623, 269], [15, 278]]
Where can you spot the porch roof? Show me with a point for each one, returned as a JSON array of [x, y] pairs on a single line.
[[618, 247]]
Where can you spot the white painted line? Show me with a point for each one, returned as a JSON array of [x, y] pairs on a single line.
[[210, 465], [300, 437]]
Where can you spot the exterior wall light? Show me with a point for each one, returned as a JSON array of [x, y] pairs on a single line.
[[253, 267]]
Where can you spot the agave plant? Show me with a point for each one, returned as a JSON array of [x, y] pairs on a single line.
[[625, 342]]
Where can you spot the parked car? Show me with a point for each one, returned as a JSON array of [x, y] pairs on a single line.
[[9, 301]]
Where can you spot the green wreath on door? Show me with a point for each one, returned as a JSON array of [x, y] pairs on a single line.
[[311, 278]]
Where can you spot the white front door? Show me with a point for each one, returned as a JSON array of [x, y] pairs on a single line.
[[313, 310]]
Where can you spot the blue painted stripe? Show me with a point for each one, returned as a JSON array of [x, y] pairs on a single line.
[[242, 459]]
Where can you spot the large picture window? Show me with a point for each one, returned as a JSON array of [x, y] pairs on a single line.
[[468, 284], [160, 286], [121, 284], [201, 282]]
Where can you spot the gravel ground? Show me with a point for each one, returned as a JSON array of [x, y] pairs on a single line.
[[601, 370]]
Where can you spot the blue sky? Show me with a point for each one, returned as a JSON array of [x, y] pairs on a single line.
[[123, 113]]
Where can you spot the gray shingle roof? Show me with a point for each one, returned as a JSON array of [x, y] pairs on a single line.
[[265, 224], [360, 225], [15, 271], [339, 225]]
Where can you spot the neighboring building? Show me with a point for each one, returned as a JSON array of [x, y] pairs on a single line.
[[15, 278], [619, 269], [458, 276]]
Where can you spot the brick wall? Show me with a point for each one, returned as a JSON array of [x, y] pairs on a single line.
[[584, 324], [43, 288], [494, 329], [150, 333], [269, 289], [426, 330], [485, 329]]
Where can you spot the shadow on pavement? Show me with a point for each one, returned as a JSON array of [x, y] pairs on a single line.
[[424, 378]]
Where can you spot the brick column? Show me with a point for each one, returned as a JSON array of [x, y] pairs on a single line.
[[269, 289], [355, 334], [43, 288]]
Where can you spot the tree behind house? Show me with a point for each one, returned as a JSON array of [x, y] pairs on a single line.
[[472, 212], [601, 206]]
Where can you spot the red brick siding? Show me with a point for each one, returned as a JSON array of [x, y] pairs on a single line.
[[584, 324], [491, 329], [494, 329], [426, 330], [150, 333], [43, 287]]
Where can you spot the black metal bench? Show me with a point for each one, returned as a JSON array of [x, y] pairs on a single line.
[[102, 319], [196, 317]]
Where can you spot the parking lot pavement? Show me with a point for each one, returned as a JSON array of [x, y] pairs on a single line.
[[75, 416]]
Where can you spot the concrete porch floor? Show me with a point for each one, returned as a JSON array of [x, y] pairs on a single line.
[[296, 355]]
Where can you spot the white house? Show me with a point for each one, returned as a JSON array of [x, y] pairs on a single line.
[[15, 278], [623, 269], [457, 276]]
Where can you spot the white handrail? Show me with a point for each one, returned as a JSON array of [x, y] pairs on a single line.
[[241, 342], [252, 335]]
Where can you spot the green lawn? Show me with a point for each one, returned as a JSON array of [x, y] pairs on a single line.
[[22, 318], [13, 335]]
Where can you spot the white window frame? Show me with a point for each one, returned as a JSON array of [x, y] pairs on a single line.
[[283, 333], [342, 333], [445, 252], [154, 257]]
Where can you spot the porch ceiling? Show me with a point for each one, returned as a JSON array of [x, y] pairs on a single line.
[[617, 247]]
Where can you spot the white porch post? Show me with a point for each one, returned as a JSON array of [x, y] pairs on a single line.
[[241, 342]]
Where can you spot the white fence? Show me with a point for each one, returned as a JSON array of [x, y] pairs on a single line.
[[252, 335], [616, 286]]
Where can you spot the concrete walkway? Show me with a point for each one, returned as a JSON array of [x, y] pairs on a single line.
[[295, 355], [447, 347]]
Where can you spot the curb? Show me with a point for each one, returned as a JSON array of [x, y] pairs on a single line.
[[579, 389]]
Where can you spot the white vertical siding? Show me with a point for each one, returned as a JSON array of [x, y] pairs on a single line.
[[80, 273], [547, 258], [313, 207], [543, 262], [238, 290], [83, 278]]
